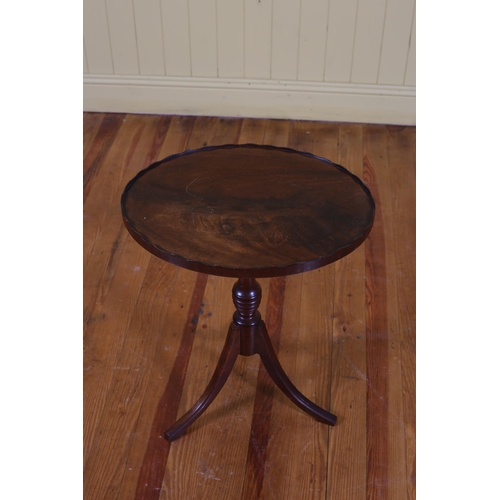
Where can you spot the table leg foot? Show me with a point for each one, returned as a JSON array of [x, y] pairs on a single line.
[[223, 369], [265, 349]]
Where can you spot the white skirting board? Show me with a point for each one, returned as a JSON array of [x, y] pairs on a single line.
[[359, 103]]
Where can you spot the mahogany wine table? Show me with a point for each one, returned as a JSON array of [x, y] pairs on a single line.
[[247, 211]]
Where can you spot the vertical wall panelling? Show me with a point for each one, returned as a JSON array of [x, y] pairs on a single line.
[[368, 41], [175, 17], [149, 37], [258, 27], [395, 42], [203, 23], [410, 77], [313, 31], [334, 60], [95, 31], [340, 40], [122, 36], [85, 65], [230, 36], [285, 36]]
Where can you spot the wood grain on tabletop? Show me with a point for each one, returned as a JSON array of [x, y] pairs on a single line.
[[248, 211]]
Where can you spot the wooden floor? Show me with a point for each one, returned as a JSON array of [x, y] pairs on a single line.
[[345, 335]]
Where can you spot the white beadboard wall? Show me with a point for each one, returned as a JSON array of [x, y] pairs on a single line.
[[335, 60]]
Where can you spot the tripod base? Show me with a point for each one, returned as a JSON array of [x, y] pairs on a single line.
[[247, 335]]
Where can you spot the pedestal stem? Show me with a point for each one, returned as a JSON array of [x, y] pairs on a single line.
[[247, 295]]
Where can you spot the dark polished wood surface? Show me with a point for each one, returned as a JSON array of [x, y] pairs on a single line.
[[248, 210]]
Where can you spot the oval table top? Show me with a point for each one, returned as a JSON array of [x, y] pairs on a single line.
[[247, 210]]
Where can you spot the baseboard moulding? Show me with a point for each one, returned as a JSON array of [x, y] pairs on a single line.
[[285, 99]]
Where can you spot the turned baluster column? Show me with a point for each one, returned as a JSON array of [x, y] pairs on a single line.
[[247, 295]]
